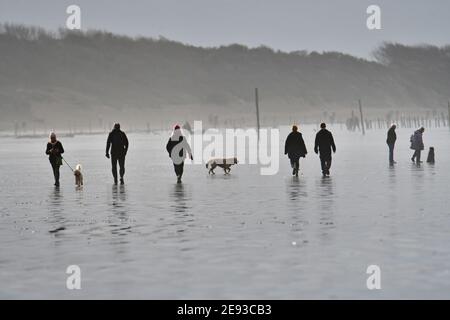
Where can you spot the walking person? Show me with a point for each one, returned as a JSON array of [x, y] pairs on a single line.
[[391, 138], [323, 145], [417, 145], [178, 148], [118, 143], [54, 151], [295, 149]]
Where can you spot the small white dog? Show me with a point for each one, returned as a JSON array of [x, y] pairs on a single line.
[[225, 164], [78, 176]]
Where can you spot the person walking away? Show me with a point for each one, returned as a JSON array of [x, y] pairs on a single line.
[[323, 145], [295, 148], [118, 143], [391, 138], [417, 145], [54, 151], [178, 148]]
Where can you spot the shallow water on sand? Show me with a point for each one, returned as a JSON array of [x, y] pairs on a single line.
[[237, 236]]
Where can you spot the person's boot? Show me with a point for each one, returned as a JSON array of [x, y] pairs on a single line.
[[115, 181], [178, 179], [293, 171], [56, 183], [122, 181], [296, 172]]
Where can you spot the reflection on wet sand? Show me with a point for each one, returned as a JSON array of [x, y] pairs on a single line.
[[119, 198], [392, 195], [298, 195], [183, 216], [297, 189], [326, 195], [56, 218], [119, 193], [326, 200], [120, 211], [179, 198], [418, 174], [392, 173]]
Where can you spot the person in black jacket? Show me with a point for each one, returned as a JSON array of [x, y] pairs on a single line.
[[54, 151], [391, 138], [295, 149], [118, 142], [324, 144], [178, 148]]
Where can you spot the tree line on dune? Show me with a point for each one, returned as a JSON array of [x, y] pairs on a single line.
[[97, 72]]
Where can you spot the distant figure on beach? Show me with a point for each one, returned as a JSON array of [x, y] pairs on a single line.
[[118, 142], [178, 148], [391, 138], [324, 144], [54, 151], [295, 149], [417, 145]]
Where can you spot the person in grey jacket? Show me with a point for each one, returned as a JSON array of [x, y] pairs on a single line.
[[417, 145]]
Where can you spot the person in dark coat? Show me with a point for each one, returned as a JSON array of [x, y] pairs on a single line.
[[324, 144], [417, 145], [391, 138], [118, 143], [178, 148], [54, 151], [295, 149]]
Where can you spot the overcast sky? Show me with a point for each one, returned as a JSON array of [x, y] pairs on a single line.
[[281, 24]]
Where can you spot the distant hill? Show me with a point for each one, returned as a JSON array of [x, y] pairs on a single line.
[[93, 78]]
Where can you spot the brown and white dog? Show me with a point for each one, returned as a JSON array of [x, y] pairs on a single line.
[[78, 176], [225, 164]]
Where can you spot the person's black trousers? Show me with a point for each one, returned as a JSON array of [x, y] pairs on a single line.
[[416, 156], [325, 162], [121, 160], [391, 152], [295, 163], [179, 168], [55, 168]]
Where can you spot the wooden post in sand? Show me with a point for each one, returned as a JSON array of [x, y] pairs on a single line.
[[448, 121], [362, 118], [257, 111]]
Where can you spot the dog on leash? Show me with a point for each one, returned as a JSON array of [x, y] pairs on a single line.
[[78, 176], [430, 158], [225, 164]]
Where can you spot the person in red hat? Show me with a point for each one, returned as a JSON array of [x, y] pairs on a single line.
[[178, 148]]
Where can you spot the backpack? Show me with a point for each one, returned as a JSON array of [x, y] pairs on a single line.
[[412, 139]]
